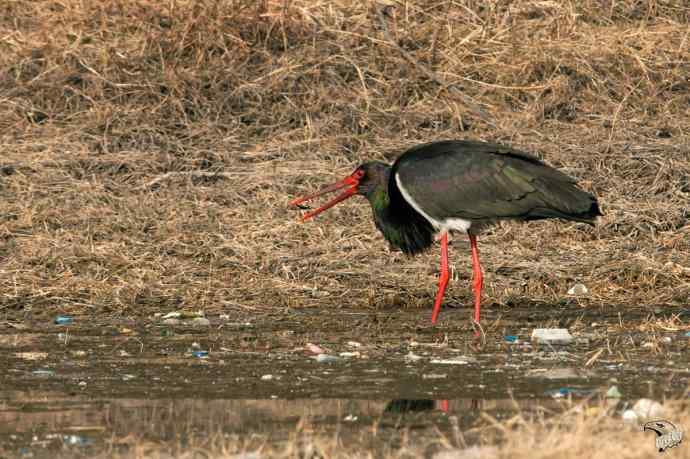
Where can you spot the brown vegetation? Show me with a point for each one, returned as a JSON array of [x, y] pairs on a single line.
[[148, 149]]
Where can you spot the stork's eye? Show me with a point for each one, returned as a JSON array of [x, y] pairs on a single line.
[[359, 173]]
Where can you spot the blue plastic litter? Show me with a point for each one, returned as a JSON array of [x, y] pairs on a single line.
[[200, 354], [687, 334], [63, 320], [511, 338], [565, 391]]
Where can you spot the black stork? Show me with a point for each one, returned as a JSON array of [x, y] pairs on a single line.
[[459, 185]]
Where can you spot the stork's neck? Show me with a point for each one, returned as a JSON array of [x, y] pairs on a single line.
[[399, 223]]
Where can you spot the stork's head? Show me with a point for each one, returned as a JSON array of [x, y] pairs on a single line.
[[367, 178]]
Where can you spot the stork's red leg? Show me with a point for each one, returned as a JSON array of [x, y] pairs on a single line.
[[443, 278], [444, 406], [478, 279]]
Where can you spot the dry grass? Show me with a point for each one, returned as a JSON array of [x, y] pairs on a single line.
[[149, 148]]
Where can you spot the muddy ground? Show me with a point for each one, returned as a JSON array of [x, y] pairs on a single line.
[[96, 384]]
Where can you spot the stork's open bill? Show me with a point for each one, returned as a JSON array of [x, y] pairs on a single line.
[[438, 187]]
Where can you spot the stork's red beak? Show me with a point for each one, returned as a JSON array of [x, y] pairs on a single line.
[[350, 181]]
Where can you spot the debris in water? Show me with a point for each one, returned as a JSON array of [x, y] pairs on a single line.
[[412, 357], [43, 373], [76, 440], [63, 320], [565, 391], [326, 358], [460, 360], [645, 409], [314, 349], [556, 373], [201, 322], [613, 392], [687, 334], [31, 355], [200, 354], [552, 336], [184, 315], [578, 289], [350, 418], [434, 376], [267, 377], [511, 339], [350, 354]]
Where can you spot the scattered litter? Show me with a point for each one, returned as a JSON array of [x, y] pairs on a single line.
[[184, 315], [648, 345], [350, 418], [43, 373], [76, 440], [645, 409], [613, 392], [82, 383], [356, 344], [224, 317], [473, 452], [314, 349], [629, 417], [124, 353], [171, 321], [578, 289], [128, 377], [687, 334], [201, 322], [412, 357], [434, 376], [196, 345], [79, 353], [666, 340], [200, 354], [565, 391], [326, 358], [63, 320], [440, 345], [31, 355], [460, 360], [552, 336], [511, 339], [556, 373], [267, 377], [350, 354]]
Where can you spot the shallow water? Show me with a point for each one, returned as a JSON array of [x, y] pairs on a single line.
[[86, 386]]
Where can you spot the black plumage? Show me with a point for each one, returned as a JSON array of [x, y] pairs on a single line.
[[459, 185]]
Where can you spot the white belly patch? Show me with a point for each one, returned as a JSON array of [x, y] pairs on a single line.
[[455, 224]]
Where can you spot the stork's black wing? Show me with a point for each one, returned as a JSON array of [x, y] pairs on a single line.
[[480, 181]]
